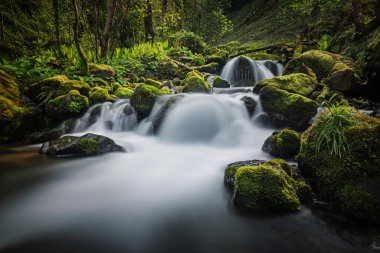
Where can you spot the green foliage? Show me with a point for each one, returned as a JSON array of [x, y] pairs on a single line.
[[189, 40], [324, 42], [332, 135], [75, 106], [88, 146]]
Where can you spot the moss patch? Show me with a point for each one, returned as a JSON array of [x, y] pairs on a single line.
[[287, 109], [194, 82], [350, 182], [296, 83]]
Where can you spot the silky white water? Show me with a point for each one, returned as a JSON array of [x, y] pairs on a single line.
[[166, 194], [256, 71]]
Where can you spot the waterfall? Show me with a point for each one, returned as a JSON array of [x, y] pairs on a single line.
[[243, 71], [118, 116]]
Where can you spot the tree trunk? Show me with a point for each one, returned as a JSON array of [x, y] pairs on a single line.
[[118, 33], [148, 22], [164, 10], [111, 6], [96, 28], [76, 37], [56, 26], [358, 15], [2, 26]]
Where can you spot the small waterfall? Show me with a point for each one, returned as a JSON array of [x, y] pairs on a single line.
[[220, 119], [118, 116], [243, 71]]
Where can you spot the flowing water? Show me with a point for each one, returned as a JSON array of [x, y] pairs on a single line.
[[244, 68], [166, 194]]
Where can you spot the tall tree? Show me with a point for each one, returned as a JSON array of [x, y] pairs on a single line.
[[148, 22], [358, 15], [76, 37], [105, 41], [96, 28], [56, 25]]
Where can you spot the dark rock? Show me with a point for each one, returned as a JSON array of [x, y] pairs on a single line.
[[250, 104], [44, 136], [285, 144], [86, 145]]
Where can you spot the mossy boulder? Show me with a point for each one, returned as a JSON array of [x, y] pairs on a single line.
[[86, 145], [154, 83], [167, 70], [67, 86], [212, 68], [321, 62], [296, 66], [350, 181], [99, 95], [265, 187], [123, 93], [230, 172], [194, 82], [220, 82], [16, 119], [285, 143], [287, 109], [67, 106], [296, 83], [46, 85], [101, 70], [144, 98], [216, 58], [342, 78]]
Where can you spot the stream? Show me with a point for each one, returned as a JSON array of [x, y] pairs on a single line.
[[165, 194]]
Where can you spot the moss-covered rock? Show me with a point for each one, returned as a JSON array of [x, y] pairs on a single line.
[[265, 187], [123, 93], [99, 95], [221, 59], [154, 83], [16, 120], [101, 70], [285, 143], [287, 109], [230, 172], [46, 85], [296, 66], [67, 106], [67, 86], [220, 82], [342, 78], [295, 83], [351, 181], [143, 99], [86, 145], [212, 68], [194, 82]]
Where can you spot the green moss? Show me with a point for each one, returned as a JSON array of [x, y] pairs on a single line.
[[80, 86], [154, 83], [264, 57], [115, 86], [320, 62], [350, 180], [143, 99], [167, 70], [296, 83], [285, 144], [198, 60], [296, 66], [287, 109], [67, 106], [46, 85], [8, 86], [99, 95], [123, 93], [216, 58], [220, 83], [88, 146], [101, 70], [212, 68], [194, 82], [265, 188], [324, 95]]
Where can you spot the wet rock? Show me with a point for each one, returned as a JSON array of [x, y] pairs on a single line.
[[287, 109], [285, 144], [250, 104], [86, 145], [44, 136], [220, 82], [102, 70], [229, 174]]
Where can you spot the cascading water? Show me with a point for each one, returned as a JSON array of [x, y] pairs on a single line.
[[118, 116], [165, 195], [242, 68]]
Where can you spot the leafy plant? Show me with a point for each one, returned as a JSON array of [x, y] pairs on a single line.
[[75, 106], [324, 42], [332, 135]]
